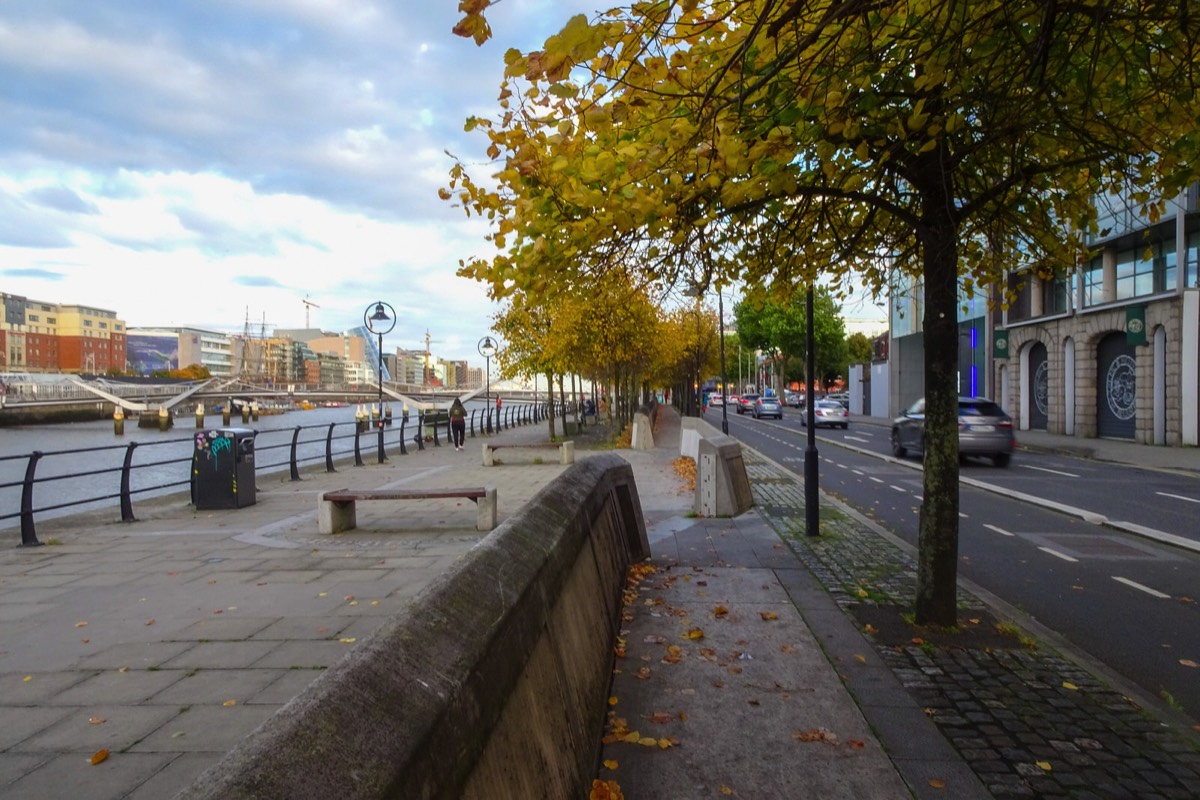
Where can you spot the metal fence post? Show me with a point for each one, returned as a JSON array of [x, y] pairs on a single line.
[[28, 534], [295, 468], [420, 430], [403, 422], [126, 500], [358, 462], [329, 449]]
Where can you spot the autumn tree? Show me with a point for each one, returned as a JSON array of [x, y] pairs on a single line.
[[959, 139]]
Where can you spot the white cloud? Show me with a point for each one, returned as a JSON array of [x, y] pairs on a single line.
[[212, 163]]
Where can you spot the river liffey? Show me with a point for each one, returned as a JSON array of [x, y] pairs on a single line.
[[163, 459]]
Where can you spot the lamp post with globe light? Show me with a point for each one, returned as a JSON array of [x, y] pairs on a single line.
[[487, 348], [378, 322]]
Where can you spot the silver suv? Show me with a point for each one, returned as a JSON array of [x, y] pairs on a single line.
[[983, 430]]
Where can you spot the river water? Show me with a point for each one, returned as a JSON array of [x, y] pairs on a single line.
[[99, 473]]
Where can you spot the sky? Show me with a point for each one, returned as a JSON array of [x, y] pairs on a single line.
[[215, 163]]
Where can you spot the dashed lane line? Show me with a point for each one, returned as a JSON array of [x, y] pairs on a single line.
[[1057, 554], [1178, 497], [1141, 587], [998, 530], [1051, 471]]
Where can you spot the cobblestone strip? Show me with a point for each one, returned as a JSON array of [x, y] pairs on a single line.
[[1029, 722]]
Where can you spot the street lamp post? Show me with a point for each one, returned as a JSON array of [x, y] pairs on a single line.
[[487, 349], [378, 322], [724, 379], [812, 492]]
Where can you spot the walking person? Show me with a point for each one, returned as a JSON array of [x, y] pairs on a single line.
[[458, 423]]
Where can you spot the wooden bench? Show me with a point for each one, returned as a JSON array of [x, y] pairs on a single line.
[[566, 450], [336, 509]]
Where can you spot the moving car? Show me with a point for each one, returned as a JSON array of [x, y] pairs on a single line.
[[983, 430], [746, 403], [794, 400], [715, 400], [830, 413], [768, 406]]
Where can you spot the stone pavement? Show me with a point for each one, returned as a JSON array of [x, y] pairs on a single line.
[[167, 640]]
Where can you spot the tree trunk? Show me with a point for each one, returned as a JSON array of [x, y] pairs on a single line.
[[550, 402], [937, 568]]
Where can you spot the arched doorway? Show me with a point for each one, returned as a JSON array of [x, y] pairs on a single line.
[[1039, 382], [1116, 387]]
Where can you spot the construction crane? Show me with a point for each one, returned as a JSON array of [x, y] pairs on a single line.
[[428, 376], [308, 306]]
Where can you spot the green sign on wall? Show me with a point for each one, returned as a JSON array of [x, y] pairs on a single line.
[[1135, 325], [999, 344]]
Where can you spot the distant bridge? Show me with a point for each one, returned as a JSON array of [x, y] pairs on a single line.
[[54, 391]]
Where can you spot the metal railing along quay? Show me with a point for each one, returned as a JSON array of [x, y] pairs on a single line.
[[117, 472]]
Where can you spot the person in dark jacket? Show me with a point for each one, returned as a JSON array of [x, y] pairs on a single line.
[[458, 423]]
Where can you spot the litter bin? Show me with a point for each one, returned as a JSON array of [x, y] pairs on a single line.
[[223, 468]]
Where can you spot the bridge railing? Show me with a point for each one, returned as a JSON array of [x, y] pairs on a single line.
[[91, 478]]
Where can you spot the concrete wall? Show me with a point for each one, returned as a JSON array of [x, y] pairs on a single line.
[[492, 685], [722, 483]]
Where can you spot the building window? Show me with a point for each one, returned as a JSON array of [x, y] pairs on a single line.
[[1093, 282], [1145, 270], [87, 323], [33, 318], [104, 325], [1191, 279], [52, 320], [1054, 295], [1018, 286]]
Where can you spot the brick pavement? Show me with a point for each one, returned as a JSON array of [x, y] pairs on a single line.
[[1028, 722]]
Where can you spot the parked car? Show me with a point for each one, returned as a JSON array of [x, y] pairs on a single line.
[[839, 397], [746, 403], [768, 406], [715, 400], [983, 430], [794, 400], [829, 413]]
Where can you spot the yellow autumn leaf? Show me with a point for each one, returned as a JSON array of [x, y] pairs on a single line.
[[937, 783], [27, 678], [720, 611], [663, 744], [633, 737], [98, 756], [612, 701], [348, 639], [605, 790], [868, 628], [610, 763], [768, 615], [1045, 765], [648, 741], [695, 633], [229, 703], [725, 790], [1071, 686], [860, 657], [80, 624]]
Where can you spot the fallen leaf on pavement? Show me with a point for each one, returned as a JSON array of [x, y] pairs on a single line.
[[768, 615], [610, 763], [643, 674], [605, 790], [695, 633], [1071, 686], [661, 717], [98, 756], [674, 654], [1045, 765], [348, 639], [720, 611], [150, 621], [1187, 662], [229, 703], [80, 624], [725, 790], [870, 629], [97, 720], [937, 783]]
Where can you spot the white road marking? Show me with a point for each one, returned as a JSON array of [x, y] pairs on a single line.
[[1141, 588], [873, 478], [1178, 497], [899, 489], [919, 497], [1057, 554], [1051, 471], [962, 515], [1000, 531], [842, 466], [856, 439], [857, 471]]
